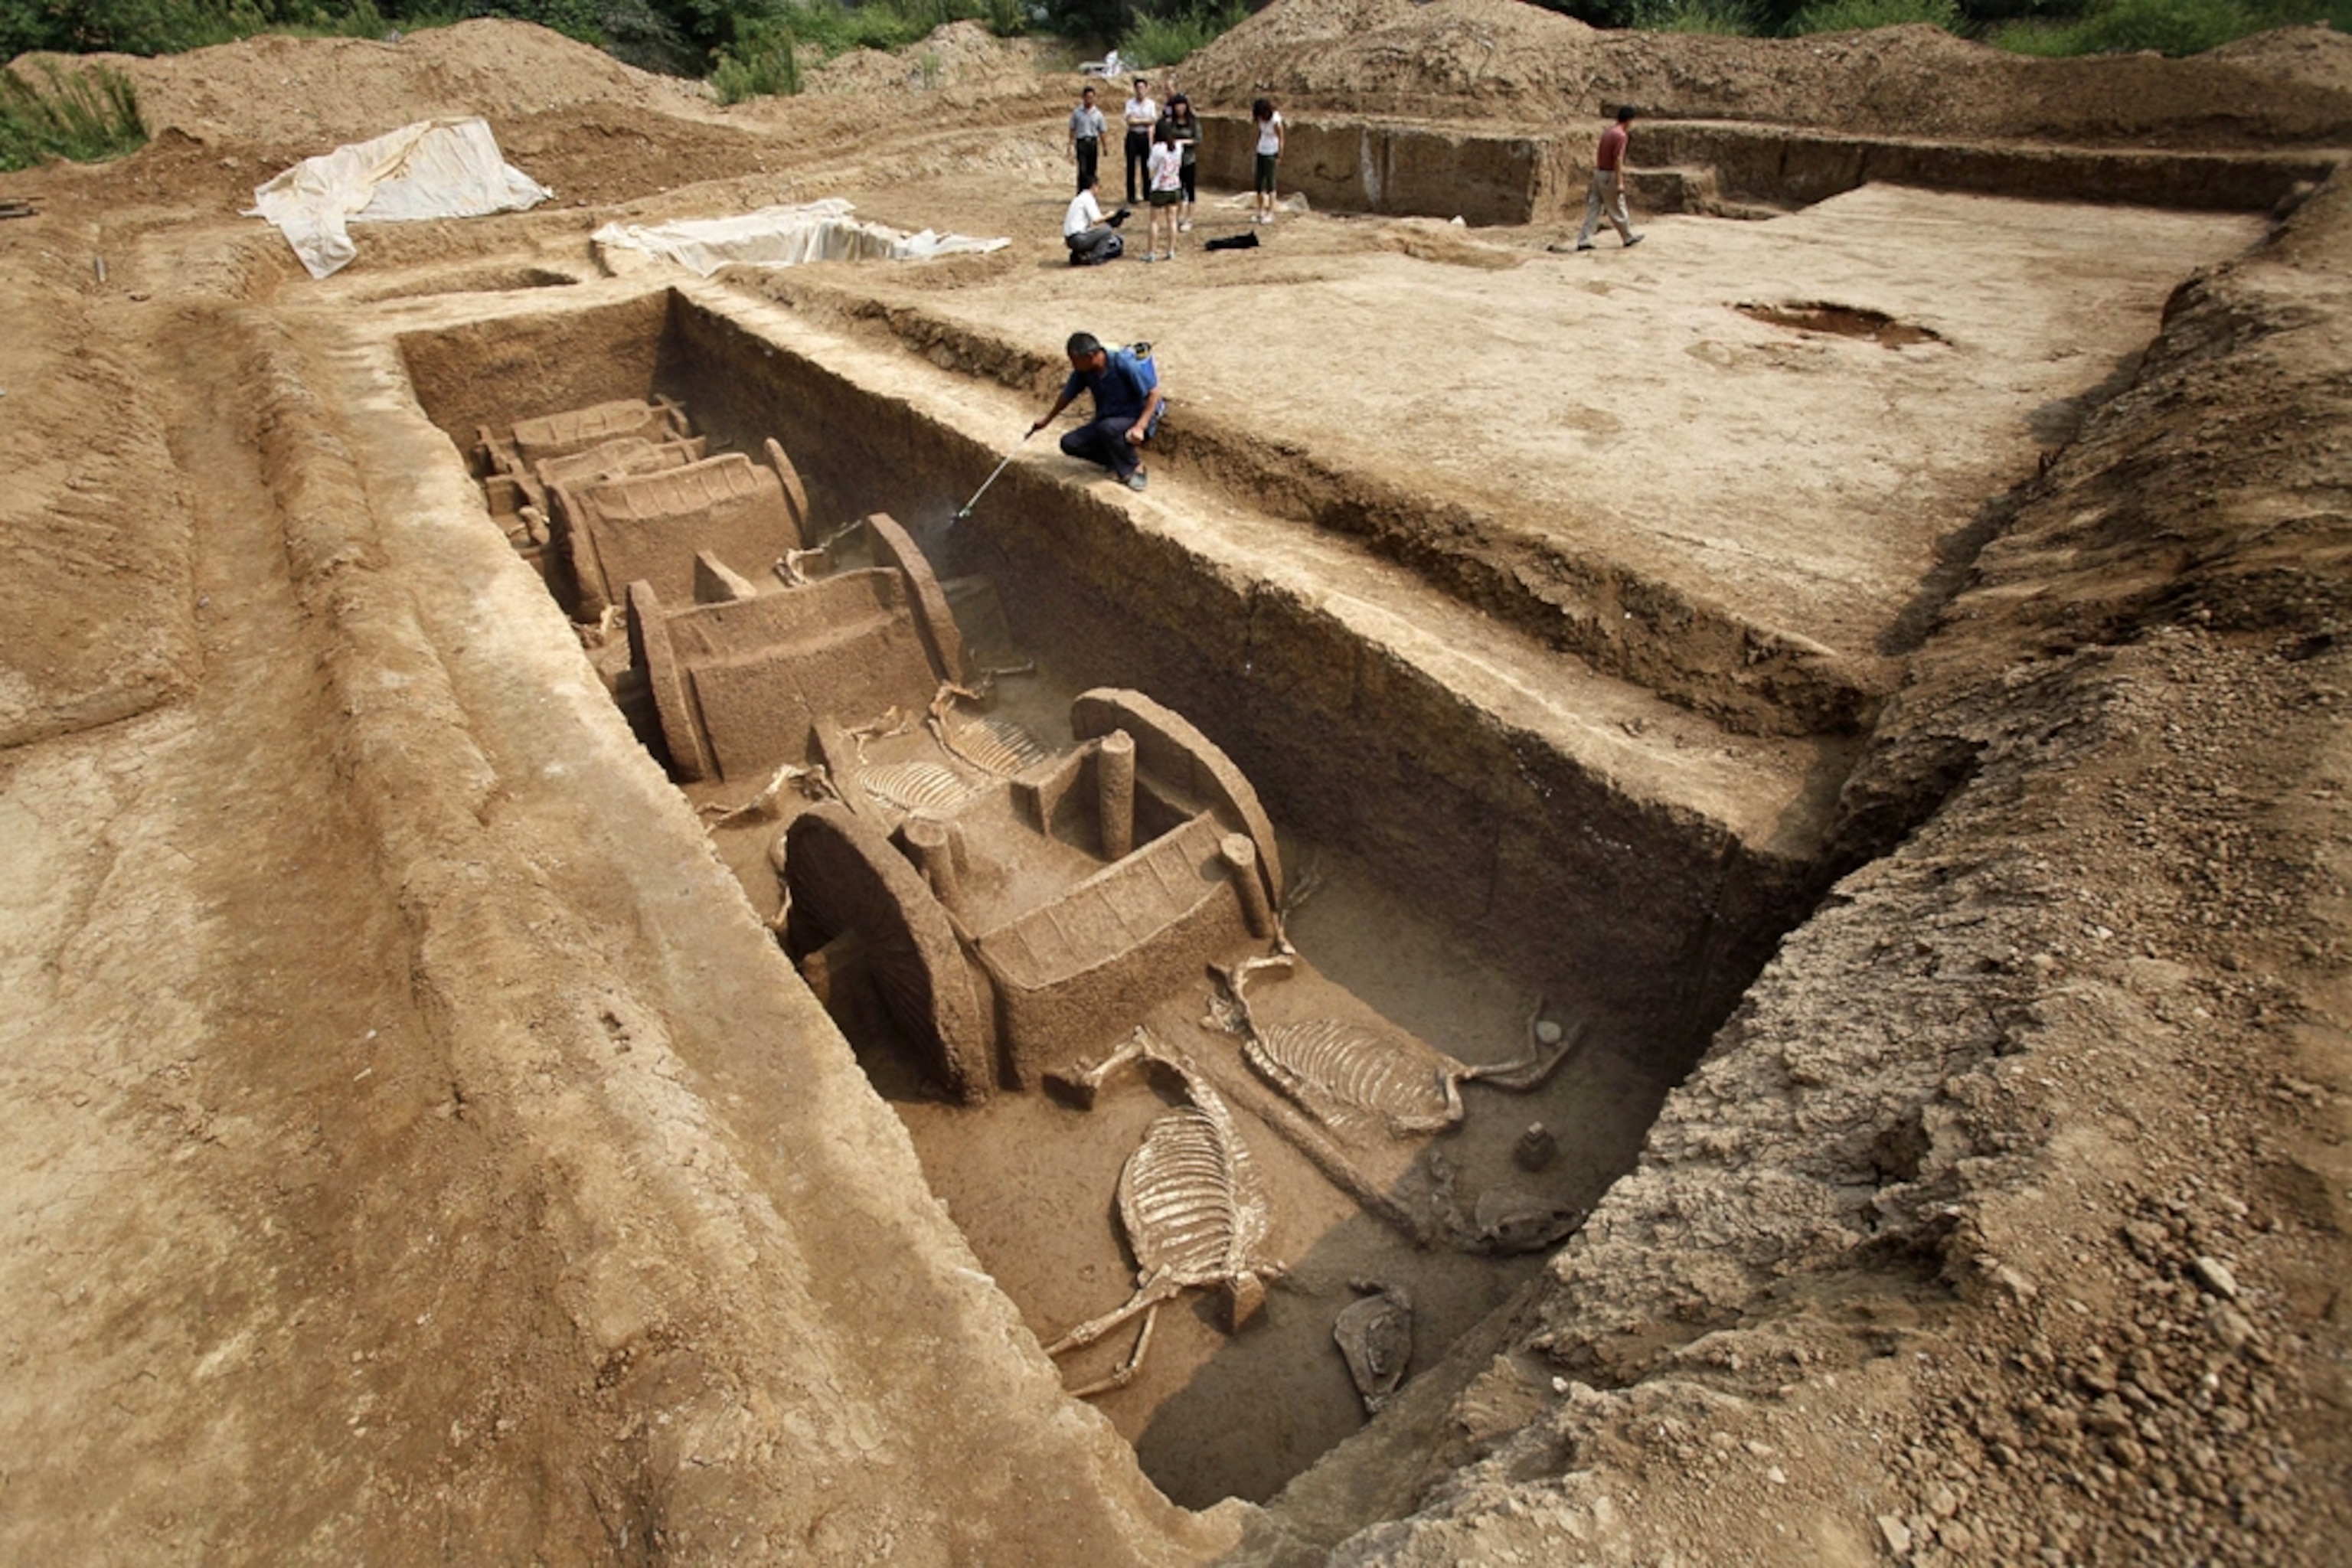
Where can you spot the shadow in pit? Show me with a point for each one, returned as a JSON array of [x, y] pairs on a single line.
[[476, 280], [1033, 1180], [1259, 1407], [1956, 557]]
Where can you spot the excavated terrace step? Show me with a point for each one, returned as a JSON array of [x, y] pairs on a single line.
[[1773, 794]]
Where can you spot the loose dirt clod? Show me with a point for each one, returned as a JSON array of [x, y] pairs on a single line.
[[1375, 1337]]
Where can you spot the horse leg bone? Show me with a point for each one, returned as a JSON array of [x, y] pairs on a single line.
[[944, 700], [1528, 1072], [1083, 1083], [762, 804], [1148, 1295], [1134, 1363]]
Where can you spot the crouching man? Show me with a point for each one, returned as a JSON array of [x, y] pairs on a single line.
[[1092, 239], [1127, 405]]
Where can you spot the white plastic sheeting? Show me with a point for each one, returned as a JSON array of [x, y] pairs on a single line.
[[435, 168], [783, 236]]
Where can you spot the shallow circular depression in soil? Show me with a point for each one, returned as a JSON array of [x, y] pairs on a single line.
[[1842, 322]]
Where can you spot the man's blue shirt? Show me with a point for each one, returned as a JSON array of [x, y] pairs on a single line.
[[1119, 388]]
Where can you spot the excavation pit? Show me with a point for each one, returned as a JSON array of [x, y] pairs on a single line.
[[441, 1150], [1480, 869]]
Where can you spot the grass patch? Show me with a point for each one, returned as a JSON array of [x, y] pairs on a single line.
[[836, 28], [83, 115], [1722, 18], [1157, 42], [2168, 27], [761, 60], [171, 26], [1855, 15]]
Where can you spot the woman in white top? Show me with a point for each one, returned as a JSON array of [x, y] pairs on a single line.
[[1167, 174], [1269, 153]]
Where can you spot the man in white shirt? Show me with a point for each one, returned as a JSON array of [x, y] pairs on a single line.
[[1085, 229], [1141, 113]]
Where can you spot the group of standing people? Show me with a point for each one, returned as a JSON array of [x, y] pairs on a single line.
[[1162, 148]]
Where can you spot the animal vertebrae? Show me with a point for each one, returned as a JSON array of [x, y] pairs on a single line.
[[1189, 1197], [1000, 745], [1194, 1210], [1343, 1072], [915, 787]]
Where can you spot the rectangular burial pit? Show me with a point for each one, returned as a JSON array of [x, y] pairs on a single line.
[[1470, 869]]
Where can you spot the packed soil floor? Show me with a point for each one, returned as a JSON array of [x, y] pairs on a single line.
[[1888, 640]]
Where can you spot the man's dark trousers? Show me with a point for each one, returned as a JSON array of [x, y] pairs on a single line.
[[1089, 156], [1087, 246], [1139, 162], [1105, 442]]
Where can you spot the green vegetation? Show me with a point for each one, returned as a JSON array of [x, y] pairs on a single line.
[[1728, 18], [761, 55], [2026, 26], [835, 27], [2168, 27], [760, 58], [84, 115], [168, 27], [1854, 15], [761, 62], [1158, 41]]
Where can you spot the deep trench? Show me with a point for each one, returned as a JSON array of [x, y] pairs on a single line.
[[1466, 871]]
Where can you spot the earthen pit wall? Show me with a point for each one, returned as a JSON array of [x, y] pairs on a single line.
[[1361, 165], [1772, 163], [498, 370], [1654, 920], [1496, 177], [1580, 601]]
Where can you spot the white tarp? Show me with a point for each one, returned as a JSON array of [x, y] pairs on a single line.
[[783, 236], [435, 168]]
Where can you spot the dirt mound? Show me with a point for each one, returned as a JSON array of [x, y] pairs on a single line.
[[964, 53], [311, 94], [1502, 59]]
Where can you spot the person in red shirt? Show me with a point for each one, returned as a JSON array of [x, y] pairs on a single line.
[[1607, 197]]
